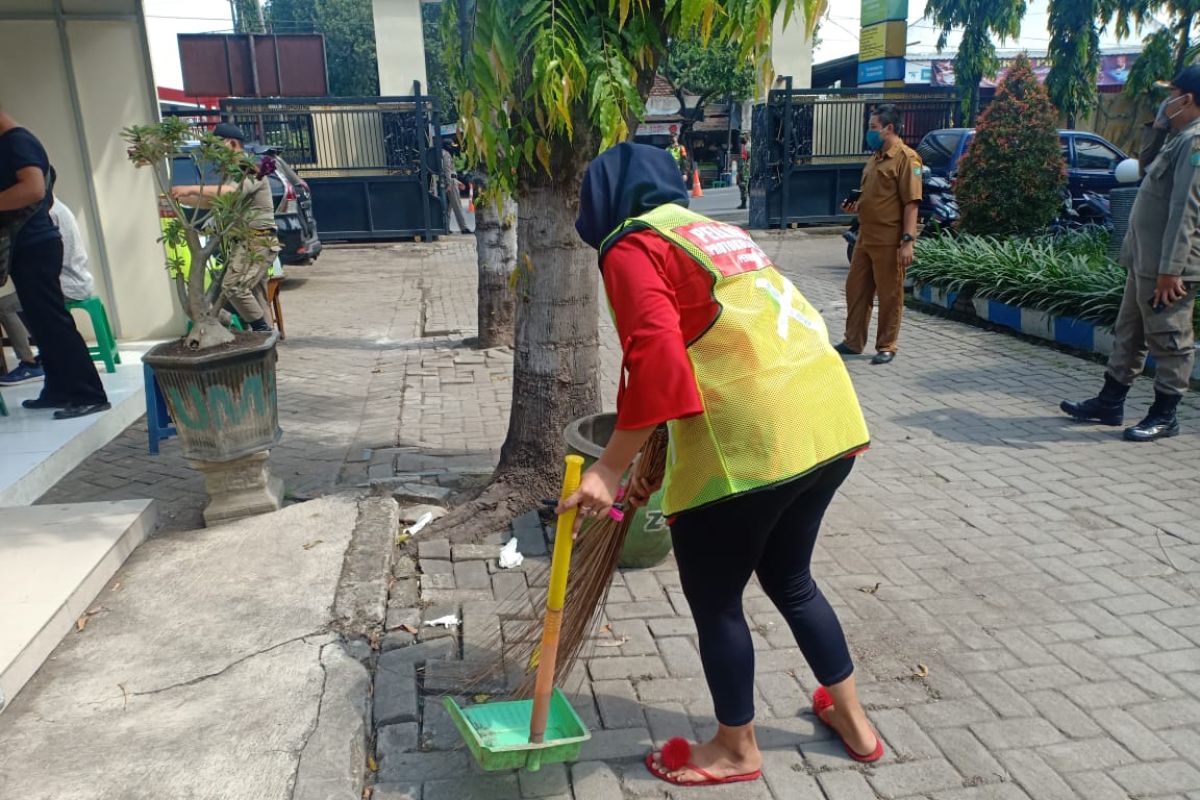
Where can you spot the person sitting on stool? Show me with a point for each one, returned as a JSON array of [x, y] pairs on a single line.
[[245, 283], [77, 285]]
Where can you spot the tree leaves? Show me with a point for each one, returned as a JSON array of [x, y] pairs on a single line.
[[538, 70], [1012, 176]]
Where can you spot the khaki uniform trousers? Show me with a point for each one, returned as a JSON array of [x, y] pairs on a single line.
[[874, 270], [1167, 335], [245, 283]]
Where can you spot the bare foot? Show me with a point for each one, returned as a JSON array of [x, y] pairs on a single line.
[[715, 759], [861, 738]]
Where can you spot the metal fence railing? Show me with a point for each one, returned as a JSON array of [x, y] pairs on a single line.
[[372, 162], [799, 133]]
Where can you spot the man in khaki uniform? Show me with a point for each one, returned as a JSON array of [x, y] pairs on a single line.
[[245, 281], [887, 213], [1162, 253]]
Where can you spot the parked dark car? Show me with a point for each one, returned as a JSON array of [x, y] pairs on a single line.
[[1091, 160], [294, 221]]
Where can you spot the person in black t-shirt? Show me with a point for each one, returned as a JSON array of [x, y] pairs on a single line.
[[72, 383]]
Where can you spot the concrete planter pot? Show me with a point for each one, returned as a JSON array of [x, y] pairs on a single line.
[[224, 404], [648, 541]]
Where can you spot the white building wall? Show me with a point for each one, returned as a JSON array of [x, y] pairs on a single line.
[[105, 66], [399, 45], [791, 51]]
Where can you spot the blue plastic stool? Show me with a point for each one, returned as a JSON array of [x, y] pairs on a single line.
[[158, 418]]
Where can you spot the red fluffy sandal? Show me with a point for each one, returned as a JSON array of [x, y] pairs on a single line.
[[677, 755], [822, 702]]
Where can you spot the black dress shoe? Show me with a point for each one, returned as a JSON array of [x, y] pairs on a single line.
[[76, 410], [883, 357], [38, 403], [845, 350], [1161, 421]]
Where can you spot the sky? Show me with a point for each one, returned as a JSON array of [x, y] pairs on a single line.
[[167, 18], [840, 27]]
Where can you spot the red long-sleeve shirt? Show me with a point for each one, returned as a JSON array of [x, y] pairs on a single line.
[[661, 300]]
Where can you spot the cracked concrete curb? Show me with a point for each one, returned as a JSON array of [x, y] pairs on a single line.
[[360, 605], [332, 761]]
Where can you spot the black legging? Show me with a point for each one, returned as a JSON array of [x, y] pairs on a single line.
[[771, 533]]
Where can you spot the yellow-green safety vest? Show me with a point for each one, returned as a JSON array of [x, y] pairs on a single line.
[[778, 402]]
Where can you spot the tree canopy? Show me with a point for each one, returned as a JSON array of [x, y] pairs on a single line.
[[552, 82], [709, 73], [349, 28], [981, 21], [1074, 56]]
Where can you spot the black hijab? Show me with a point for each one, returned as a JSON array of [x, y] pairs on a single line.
[[622, 182]]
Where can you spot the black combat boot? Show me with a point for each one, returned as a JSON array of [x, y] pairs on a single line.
[[1107, 408], [1161, 420]]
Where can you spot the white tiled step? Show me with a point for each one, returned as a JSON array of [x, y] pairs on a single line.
[[54, 560], [37, 451]]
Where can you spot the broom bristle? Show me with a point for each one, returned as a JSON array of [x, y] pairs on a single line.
[[593, 564]]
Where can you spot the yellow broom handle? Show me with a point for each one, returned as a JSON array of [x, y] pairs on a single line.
[[560, 565]]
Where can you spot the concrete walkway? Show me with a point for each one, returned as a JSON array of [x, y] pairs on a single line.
[[1036, 628]]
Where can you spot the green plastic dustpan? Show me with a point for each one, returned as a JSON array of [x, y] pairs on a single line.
[[498, 733]]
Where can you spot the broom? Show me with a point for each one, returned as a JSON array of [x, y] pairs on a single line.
[[592, 567]]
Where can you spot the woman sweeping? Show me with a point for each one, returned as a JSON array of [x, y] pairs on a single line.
[[763, 422]]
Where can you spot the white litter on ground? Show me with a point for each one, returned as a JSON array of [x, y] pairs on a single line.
[[509, 557], [448, 621]]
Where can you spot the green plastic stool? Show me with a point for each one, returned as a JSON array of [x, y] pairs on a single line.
[[106, 343], [3, 408]]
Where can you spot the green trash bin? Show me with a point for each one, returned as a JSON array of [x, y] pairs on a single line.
[[649, 539]]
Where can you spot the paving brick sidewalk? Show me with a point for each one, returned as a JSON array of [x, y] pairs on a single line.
[[1035, 632], [1047, 575]]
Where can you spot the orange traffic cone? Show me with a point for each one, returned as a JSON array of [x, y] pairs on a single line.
[[696, 190]]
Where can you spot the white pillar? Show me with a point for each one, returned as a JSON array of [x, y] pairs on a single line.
[[400, 46], [791, 50]]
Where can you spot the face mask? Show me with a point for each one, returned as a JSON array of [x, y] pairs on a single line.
[[1163, 110], [874, 139]]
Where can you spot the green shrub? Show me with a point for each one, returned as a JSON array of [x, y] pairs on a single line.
[[1066, 276], [1012, 177]]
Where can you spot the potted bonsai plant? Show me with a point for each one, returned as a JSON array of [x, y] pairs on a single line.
[[218, 383]]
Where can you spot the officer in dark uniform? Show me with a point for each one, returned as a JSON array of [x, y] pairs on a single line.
[[1162, 253]]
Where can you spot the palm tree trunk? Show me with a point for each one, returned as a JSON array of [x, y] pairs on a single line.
[[1185, 30], [496, 254], [556, 354]]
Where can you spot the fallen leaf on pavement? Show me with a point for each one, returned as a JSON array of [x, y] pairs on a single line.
[[606, 628], [409, 629], [481, 698], [922, 671], [372, 764], [313, 544], [82, 622], [401, 538], [614, 642], [870, 589]]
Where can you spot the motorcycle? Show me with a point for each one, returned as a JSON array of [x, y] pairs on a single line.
[[1087, 212], [938, 212]]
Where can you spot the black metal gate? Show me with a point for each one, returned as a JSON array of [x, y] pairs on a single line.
[[807, 149], [371, 162]]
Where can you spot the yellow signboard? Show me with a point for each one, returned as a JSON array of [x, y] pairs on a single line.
[[884, 40]]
